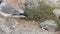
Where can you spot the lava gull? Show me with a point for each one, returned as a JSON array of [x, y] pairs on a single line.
[[9, 11]]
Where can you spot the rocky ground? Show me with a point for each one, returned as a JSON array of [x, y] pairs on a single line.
[[21, 27], [30, 27]]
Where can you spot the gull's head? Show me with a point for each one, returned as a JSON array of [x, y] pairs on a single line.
[[20, 10]]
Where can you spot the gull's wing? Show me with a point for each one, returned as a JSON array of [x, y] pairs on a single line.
[[9, 10]]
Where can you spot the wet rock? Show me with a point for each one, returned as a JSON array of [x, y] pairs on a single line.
[[49, 25]]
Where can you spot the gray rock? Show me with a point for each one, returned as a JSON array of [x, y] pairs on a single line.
[[56, 12], [8, 27], [49, 25], [11, 23], [5, 29], [32, 4], [50, 2]]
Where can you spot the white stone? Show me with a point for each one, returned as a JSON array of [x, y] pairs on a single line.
[[49, 25], [56, 12]]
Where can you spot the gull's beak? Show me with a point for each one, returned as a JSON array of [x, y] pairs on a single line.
[[25, 14]]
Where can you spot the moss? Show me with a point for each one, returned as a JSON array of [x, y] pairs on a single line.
[[42, 13]]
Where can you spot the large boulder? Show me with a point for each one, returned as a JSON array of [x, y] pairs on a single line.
[[48, 25]]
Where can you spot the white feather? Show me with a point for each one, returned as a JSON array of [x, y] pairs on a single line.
[[5, 14]]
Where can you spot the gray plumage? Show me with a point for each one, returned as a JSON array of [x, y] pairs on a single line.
[[8, 10]]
